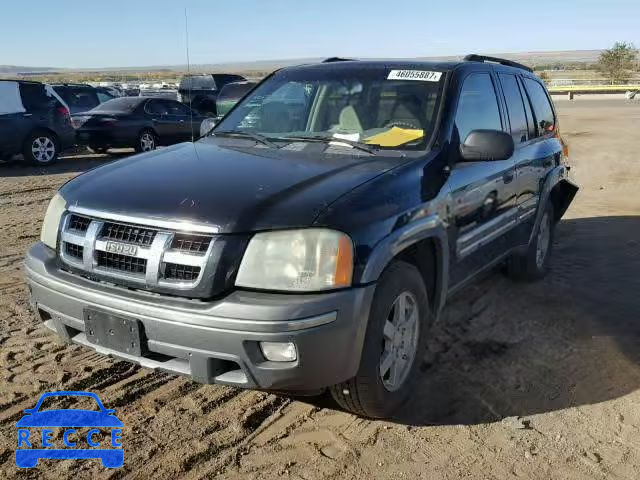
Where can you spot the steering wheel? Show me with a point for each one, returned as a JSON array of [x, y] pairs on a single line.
[[407, 124]]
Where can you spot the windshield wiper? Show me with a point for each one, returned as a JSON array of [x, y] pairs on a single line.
[[239, 133], [365, 147]]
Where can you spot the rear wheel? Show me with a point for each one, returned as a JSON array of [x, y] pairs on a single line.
[[146, 142], [396, 335], [534, 263], [41, 148]]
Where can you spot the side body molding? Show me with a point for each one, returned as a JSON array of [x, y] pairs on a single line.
[[430, 226]]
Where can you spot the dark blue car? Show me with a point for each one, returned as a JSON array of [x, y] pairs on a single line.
[[69, 419]]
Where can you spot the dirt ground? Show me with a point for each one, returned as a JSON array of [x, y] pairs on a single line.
[[534, 381]]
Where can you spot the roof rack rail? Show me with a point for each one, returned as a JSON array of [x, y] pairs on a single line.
[[337, 59], [484, 58]]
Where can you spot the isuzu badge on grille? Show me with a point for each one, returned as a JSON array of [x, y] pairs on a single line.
[[122, 248]]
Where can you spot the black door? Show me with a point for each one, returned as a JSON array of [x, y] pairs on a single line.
[[483, 194], [543, 150], [165, 125], [182, 115]]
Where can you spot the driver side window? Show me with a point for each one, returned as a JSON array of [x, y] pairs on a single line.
[[477, 106]]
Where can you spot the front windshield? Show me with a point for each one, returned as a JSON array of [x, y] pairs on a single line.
[[378, 106]]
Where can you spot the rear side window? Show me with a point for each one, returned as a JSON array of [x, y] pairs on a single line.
[[542, 110], [34, 97], [104, 97], [477, 106], [78, 98], [176, 108], [515, 107], [156, 107]]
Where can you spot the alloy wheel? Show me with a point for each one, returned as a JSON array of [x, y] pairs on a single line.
[[43, 149], [147, 142], [400, 341]]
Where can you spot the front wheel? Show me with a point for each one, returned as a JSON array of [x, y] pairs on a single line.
[[146, 142], [41, 148], [396, 336]]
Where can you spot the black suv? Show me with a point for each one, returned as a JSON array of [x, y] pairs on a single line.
[[80, 97], [34, 121], [201, 91], [312, 238]]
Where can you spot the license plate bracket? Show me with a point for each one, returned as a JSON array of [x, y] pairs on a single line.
[[125, 335]]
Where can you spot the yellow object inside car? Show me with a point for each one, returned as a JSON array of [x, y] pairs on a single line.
[[395, 136]]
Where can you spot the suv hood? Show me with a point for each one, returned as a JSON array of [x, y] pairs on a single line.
[[230, 188]]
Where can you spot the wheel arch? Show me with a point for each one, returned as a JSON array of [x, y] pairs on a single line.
[[41, 129], [422, 243], [558, 189]]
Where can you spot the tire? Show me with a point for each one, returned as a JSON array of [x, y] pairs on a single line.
[[41, 148], [147, 141], [96, 149], [534, 263], [375, 391]]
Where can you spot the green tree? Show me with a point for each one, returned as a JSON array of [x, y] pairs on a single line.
[[618, 62]]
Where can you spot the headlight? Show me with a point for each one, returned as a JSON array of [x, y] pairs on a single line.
[[51, 223], [297, 260]]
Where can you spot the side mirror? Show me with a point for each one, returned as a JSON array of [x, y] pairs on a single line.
[[486, 145], [207, 125]]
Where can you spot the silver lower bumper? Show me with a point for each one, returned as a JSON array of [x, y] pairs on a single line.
[[214, 341]]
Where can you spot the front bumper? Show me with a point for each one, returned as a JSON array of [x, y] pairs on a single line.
[[214, 341]]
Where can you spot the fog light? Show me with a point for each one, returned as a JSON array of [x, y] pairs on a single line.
[[279, 351]]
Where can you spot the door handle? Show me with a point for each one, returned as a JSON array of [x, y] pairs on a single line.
[[27, 114]]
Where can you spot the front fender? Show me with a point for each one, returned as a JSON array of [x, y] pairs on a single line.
[[389, 247]]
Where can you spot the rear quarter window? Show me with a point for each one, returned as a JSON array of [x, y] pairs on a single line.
[[34, 97], [542, 109]]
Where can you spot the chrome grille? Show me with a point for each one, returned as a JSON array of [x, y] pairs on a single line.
[[76, 222], [140, 254], [191, 243], [128, 233], [73, 250], [121, 263], [174, 271]]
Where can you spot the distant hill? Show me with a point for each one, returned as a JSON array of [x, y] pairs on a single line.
[[15, 70], [529, 58]]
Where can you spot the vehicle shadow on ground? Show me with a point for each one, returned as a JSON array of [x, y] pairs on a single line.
[[70, 162], [504, 349]]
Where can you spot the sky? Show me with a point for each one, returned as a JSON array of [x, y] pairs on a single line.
[[90, 33]]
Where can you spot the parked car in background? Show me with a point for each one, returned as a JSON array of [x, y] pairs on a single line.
[[131, 91], [201, 91], [34, 121], [138, 122], [81, 97], [230, 94]]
